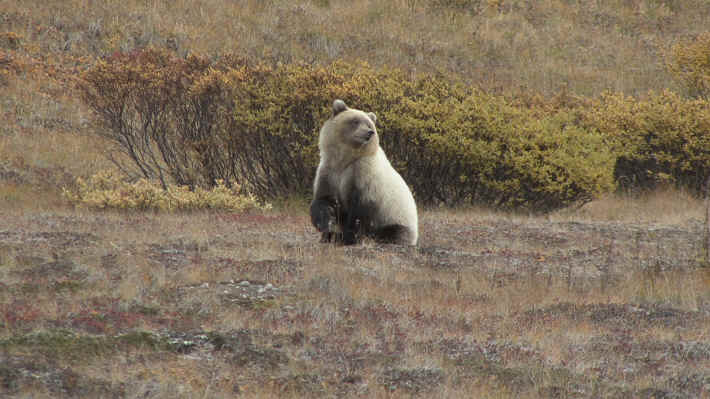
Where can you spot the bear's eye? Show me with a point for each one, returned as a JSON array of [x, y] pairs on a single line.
[[353, 122]]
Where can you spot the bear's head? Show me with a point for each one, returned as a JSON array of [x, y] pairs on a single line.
[[349, 133]]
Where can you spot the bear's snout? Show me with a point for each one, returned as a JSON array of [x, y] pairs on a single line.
[[364, 137]]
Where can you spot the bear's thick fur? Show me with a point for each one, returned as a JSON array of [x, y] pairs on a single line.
[[357, 192]]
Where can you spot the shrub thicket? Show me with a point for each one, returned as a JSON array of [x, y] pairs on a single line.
[[194, 121], [660, 140], [144, 102]]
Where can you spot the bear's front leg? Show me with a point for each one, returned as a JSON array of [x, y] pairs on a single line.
[[325, 217], [323, 214], [351, 233], [356, 219]]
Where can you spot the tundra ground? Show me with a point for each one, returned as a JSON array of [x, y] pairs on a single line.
[[582, 304]]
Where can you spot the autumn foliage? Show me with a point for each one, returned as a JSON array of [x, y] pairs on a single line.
[[661, 140], [689, 63], [106, 190], [194, 121]]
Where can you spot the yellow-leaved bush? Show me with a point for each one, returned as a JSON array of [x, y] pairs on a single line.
[[689, 63], [663, 139], [107, 190], [194, 121]]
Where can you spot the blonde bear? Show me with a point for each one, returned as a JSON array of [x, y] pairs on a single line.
[[357, 192]]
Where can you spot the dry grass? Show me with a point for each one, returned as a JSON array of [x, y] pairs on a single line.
[[524, 288], [490, 305], [45, 137], [668, 206], [544, 46]]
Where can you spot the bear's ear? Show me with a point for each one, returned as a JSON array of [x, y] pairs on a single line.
[[372, 116], [339, 106]]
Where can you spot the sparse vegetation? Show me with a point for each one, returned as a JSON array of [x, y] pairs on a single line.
[[489, 304], [605, 300]]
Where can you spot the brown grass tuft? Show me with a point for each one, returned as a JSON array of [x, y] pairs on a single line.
[[665, 206]]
